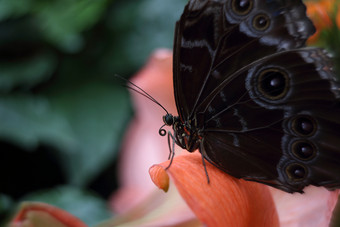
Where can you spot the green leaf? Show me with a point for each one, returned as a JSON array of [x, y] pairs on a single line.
[[28, 120], [6, 203], [6, 207], [17, 8], [84, 122], [87, 206], [63, 21], [139, 27], [27, 72], [97, 113]]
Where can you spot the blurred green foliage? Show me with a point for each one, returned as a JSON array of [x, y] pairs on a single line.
[[63, 113]]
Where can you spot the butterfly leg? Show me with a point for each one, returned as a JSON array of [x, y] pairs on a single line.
[[203, 154], [172, 150]]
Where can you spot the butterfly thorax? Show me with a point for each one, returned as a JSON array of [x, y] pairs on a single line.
[[186, 134]]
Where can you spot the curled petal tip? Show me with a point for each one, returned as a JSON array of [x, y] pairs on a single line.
[[159, 177]]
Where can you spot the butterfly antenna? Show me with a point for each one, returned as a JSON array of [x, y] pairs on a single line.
[[140, 91]]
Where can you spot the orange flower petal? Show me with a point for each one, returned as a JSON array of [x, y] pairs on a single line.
[[41, 214], [338, 16], [225, 201], [319, 13], [159, 177]]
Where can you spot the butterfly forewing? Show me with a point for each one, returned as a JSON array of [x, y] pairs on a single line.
[[212, 42]]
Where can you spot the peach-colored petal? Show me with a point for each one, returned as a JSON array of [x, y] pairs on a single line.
[[225, 201], [160, 178], [313, 208], [36, 214]]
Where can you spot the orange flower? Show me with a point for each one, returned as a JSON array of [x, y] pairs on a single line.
[[322, 13], [35, 214], [139, 204], [319, 13], [338, 16], [225, 201]]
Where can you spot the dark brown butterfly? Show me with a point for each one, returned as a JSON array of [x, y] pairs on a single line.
[[252, 98]]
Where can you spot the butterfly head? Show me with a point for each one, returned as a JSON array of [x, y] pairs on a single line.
[[168, 119]]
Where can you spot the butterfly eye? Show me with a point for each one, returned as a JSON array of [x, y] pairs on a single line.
[[168, 119], [242, 7], [261, 22], [296, 172], [273, 83], [304, 150], [304, 125]]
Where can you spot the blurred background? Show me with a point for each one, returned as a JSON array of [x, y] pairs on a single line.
[[63, 113]]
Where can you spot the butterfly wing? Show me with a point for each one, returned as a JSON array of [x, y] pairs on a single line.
[[267, 107], [210, 33], [288, 142]]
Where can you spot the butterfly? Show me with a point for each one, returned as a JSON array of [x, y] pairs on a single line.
[[255, 101]]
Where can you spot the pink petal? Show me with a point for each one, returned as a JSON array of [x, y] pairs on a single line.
[[142, 145], [313, 208]]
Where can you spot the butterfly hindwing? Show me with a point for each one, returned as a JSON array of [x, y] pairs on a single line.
[[257, 135]]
